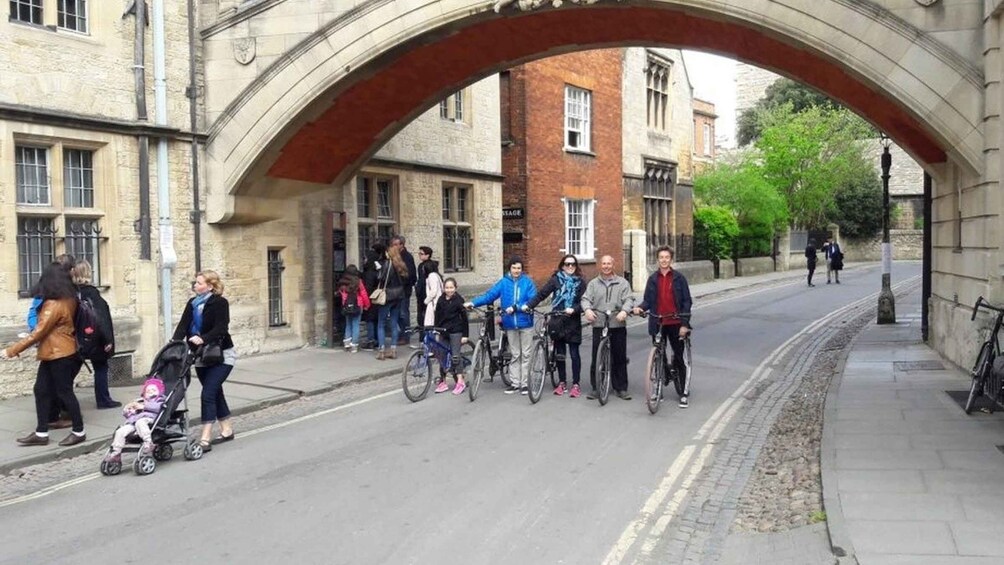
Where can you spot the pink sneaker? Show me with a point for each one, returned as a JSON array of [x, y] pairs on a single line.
[[460, 388], [575, 391], [560, 389], [442, 387]]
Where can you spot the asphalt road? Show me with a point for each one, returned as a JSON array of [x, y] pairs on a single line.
[[443, 481]]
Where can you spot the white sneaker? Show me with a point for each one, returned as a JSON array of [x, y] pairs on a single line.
[[684, 402]]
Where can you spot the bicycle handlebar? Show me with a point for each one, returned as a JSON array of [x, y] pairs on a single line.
[[982, 303], [646, 314]]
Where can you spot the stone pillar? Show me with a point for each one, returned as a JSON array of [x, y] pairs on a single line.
[[637, 240], [784, 250]]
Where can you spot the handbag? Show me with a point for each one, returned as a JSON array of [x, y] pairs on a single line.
[[212, 354], [379, 294]]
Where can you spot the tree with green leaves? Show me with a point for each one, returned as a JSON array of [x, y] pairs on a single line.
[[781, 92], [716, 230], [760, 210], [857, 204]]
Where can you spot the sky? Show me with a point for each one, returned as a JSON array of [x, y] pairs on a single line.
[[714, 80]]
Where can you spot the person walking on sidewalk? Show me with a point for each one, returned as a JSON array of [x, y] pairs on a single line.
[[451, 315], [355, 301], [57, 355], [393, 275], [404, 311], [609, 292], [206, 322], [567, 287], [834, 259], [668, 295], [810, 259], [104, 348], [513, 291]]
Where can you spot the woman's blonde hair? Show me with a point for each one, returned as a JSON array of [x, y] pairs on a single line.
[[395, 258], [81, 272], [213, 280]]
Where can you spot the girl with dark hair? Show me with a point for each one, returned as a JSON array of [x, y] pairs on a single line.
[[566, 288], [355, 301], [57, 355], [451, 315], [375, 259]]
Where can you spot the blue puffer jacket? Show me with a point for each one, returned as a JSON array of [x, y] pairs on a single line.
[[511, 293]]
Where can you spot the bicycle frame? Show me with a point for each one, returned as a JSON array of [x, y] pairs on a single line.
[[985, 382]]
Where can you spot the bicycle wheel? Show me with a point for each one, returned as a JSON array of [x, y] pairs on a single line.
[[653, 384], [538, 363], [503, 363], [687, 358], [981, 369], [479, 370], [603, 372], [416, 377]]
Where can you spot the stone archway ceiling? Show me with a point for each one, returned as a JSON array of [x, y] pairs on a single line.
[[358, 118]]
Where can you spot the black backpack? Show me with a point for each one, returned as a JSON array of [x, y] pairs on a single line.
[[351, 306], [90, 338]]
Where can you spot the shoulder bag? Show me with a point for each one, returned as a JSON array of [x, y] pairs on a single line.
[[379, 294]]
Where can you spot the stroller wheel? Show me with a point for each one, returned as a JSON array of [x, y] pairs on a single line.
[[163, 452], [144, 465], [110, 468], [193, 451]]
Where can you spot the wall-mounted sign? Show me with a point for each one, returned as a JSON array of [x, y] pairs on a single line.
[[512, 237], [513, 213]]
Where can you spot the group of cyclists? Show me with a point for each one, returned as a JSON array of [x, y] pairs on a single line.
[[666, 301]]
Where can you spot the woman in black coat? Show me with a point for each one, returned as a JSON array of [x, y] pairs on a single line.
[[451, 316], [206, 321], [105, 346], [375, 259], [566, 287]]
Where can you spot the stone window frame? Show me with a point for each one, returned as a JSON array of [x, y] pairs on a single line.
[[81, 225], [30, 12], [458, 240], [707, 138], [578, 119], [78, 17], [372, 226], [658, 188], [456, 107], [580, 236], [658, 71]]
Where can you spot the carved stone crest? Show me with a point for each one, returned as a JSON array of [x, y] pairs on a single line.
[[527, 5], [245, 50], [926, 3]]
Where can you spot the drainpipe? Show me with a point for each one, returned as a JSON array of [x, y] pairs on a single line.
[[139, 72], [192, 92], [168, 257], [925, 284]]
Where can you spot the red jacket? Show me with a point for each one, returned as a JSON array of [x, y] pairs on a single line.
[[362, 297]]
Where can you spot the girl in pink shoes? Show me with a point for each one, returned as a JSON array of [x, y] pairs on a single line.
[[452, 317], [140, 415]]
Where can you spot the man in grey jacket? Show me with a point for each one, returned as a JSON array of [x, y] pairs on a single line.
[[609, 292]]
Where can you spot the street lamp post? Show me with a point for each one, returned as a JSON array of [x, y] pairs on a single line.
[[886, 301]]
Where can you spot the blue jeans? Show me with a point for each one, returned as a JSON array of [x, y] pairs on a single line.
[[214, 404], [101, 394], [388, 315], [352, 328], [573, 352]]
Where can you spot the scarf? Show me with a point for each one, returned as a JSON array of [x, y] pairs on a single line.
[[197, 305], [564, 297]]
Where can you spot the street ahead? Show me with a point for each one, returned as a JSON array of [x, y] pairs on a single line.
[[442, 481]]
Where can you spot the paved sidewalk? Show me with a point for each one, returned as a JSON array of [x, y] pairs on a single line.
[[908, 477]]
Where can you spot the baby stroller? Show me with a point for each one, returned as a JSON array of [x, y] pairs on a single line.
[[173, 366]]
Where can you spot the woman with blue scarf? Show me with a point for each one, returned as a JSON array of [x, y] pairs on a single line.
[[206, 320], [566, 288]]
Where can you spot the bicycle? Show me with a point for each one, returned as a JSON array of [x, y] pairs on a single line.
[[543, 359], [602, 375], [416, 377], [657, 371], [985, 381], [488, 359]]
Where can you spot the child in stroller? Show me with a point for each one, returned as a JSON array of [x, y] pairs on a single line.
[[159, 418], [140, 415]]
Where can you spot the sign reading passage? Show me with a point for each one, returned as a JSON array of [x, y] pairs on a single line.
[[512, 213]]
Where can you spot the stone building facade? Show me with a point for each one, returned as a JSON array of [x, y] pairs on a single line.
[[561, 157], [659, 155]]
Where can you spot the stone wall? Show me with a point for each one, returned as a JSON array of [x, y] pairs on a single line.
[[906, 245]]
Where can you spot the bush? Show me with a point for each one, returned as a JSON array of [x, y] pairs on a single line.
[[716, 230]]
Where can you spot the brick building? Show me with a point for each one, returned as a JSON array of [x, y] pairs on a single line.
[[561, 157]]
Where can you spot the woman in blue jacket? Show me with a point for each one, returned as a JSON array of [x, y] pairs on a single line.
[[514, 291]]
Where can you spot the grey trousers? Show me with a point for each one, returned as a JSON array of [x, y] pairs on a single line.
[[521, 347], [142, 428]]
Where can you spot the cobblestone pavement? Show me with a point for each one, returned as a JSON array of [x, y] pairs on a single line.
[[709, 502]]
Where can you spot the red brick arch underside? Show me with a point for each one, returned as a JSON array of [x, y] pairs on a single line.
[[363, 116]]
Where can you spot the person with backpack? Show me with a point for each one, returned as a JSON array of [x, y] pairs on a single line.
[[355, 301], [95, 333], [59, 362]]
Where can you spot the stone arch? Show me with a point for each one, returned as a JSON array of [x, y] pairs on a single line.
[[324, 107]]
